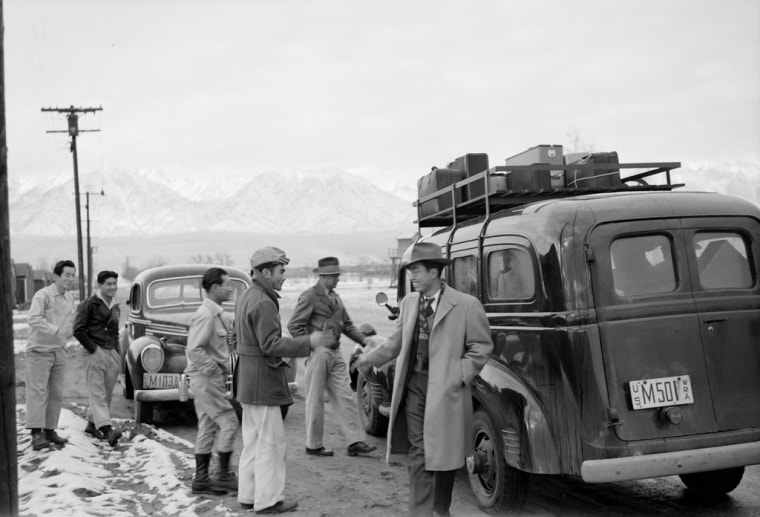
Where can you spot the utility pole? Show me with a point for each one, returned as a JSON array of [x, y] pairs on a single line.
[[73, 131], [89, 246], [8, 451]]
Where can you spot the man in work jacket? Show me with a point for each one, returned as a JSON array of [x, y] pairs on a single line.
[[320, 308], [50, 318], [208, 356], [263, 386], [97, 328], [442, 340]]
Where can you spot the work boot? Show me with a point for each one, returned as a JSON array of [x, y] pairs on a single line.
[[111, 435], [225, 477], [202, 484], [39, 441], [52, 436], [93, 431]]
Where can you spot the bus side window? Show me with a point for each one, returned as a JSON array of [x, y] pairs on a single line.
[[466, 274], [510, 275]]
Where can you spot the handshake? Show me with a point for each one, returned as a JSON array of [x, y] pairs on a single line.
[[321, 339]]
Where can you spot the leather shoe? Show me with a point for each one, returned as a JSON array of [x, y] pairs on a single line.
[[110, 434], [281, 507], [319, 451], [39, 442], [360, 448], [92, 430], [53, 437], [246, 506]]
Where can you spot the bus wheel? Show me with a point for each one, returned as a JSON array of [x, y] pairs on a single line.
[[715, 482], [497, 486]]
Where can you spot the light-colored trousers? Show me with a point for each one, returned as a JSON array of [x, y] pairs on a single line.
[[44, 387], [262, 462], [326, 370], [216, 417], [101, 370]]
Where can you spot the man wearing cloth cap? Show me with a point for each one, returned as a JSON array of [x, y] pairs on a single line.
[[442, 340], [263, 385], [320, 308]]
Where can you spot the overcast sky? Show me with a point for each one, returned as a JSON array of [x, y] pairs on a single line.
[[381, 88]]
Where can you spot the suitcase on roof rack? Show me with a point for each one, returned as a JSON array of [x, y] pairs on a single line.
[[471, 164], [594, 178], [551, 154], [435, 180]]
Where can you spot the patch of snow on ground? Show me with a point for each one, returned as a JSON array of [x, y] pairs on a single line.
[[88, 477]]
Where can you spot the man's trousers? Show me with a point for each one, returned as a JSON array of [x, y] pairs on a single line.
[[262, 462], [216, 416], [428, 490], [101, 369], [326, 370], [44, 387]]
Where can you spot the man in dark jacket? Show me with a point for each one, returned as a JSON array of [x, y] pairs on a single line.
[[96, 327], [263, 386], [320, 308]]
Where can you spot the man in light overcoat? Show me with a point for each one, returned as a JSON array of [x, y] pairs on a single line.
[[442, 341]]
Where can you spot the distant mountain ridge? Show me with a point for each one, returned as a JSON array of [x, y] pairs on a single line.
[[155, 202], [330, 201]]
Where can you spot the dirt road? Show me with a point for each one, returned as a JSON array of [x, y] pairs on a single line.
[[343, 486]]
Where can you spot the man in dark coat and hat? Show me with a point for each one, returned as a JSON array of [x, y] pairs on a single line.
[[263, 386]]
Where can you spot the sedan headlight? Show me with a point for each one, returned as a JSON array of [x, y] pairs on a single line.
[[152, 358]]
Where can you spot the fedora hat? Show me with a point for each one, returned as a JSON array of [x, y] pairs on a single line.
[[328, 266], [424, 252]]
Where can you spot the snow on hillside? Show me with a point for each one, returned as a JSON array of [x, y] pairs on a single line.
[[163, 202]]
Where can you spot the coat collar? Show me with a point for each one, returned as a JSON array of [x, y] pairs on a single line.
[[447, 300], [264, 283]]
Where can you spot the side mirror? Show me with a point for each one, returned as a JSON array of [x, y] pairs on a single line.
[[382, 300]]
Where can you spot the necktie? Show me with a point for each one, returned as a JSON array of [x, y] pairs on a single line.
[[428, 306]]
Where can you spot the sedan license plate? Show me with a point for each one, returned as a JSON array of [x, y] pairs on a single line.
[[160, 380], [665, 391]]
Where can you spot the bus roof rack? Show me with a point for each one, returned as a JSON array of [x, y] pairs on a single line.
[[478, 195]]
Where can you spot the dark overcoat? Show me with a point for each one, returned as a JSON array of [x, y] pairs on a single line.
[[262, 374]]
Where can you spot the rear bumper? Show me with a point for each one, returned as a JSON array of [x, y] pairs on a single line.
[[670, 463], [167, 395]]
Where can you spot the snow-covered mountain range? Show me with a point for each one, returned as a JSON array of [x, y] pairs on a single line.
[[165, 202], [154, 202]]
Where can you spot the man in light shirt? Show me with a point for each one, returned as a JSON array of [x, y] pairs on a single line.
[[208, 359], [50, 324]]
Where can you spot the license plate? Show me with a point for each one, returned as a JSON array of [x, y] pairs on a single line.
[[160, 380], [665, 391]]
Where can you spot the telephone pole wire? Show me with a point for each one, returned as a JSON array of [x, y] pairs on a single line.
[[72, 114]]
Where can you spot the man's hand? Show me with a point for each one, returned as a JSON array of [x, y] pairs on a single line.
[[371, 342], [319, 339], [362, 364]]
